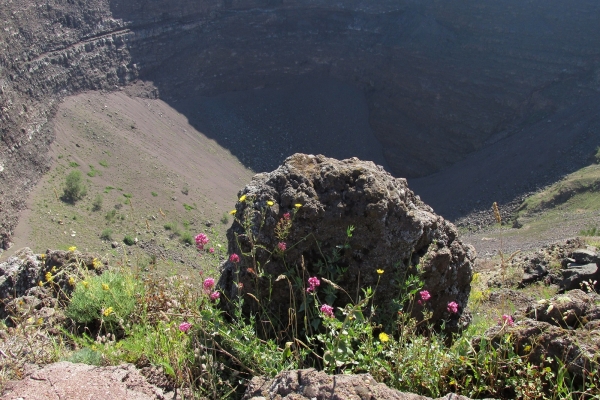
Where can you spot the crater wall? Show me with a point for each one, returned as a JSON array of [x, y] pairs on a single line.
[[440, 79]]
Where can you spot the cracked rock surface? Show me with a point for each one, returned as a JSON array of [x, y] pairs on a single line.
[[66, 381]]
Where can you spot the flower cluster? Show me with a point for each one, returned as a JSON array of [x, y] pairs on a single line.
[[281, 246], [201, 240], [185, 326], [209, 285], [327, 310], [507, 320], [452, 307], [97, 264], [234, 258], [313, 284], [424, 294]]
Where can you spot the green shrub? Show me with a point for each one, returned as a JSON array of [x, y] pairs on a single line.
[[187, 238], [170, 226], [104, 301], [154, 194], [591, 231], [74, 187], [188, 207], [225, 218], [73, 164], [129, 240], [106, 234], [86, 356], [93, 172], [110, 216], [103, 163], [97, 203]]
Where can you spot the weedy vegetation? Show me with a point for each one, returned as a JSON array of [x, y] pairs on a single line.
[[151, 313]]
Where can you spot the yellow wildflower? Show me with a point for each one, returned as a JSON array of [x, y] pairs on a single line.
[[270, 203], [72, 248], [30, 320], [85, 284], [108, 311], [383, 337], [380, 271], [297, 205], [232, 212], [72, 281], [105, 286], [42, 256], [49, 277], [242, 198], [54, 268], [40, 321], [96, 263], [40, 283], [527, 348]]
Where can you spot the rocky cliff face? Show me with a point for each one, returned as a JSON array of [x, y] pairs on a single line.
[[48, 50], [441, 79]]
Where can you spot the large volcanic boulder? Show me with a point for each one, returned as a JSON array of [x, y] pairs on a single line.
[[294, 222]]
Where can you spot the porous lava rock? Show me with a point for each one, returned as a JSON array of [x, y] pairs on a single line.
[[563, 328], [68, 381], [312, 384], [394, 232], [24, 285]]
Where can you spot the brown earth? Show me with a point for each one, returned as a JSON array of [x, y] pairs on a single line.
[[146, 147]]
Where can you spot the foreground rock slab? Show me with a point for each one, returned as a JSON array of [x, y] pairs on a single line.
[[309, 384], [68, 381], [308, 204]]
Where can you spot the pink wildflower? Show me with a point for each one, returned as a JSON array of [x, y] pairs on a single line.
[[208, 284], [214, 296], [211, 250], [234, 258], [282, 246], [286, 216], [424, 296], [185, 326], [507, 320], [313, 283], [327, 310], [201, 240], [452, 307]]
